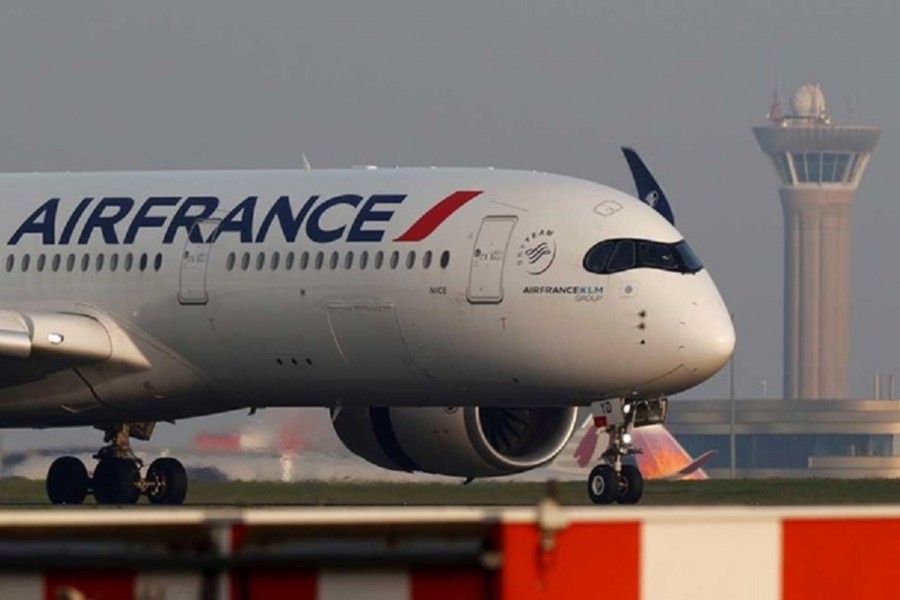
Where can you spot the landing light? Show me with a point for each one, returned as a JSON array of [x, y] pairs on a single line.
[[626, 438], [55, 338]]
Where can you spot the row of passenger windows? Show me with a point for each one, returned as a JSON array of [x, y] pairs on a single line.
[[334, 260], [84, 262], [615, 256], [141, 262]]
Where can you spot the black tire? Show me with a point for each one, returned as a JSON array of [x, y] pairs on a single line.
[[631, 485], [603, 485], [67, 481], [115, 481], [167, 481]]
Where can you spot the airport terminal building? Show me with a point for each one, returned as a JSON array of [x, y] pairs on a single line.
[[778, 438]]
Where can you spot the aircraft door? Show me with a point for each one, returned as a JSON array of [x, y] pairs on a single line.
[[194, 262], [488, 256]]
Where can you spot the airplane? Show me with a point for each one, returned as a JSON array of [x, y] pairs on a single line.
[[451, 320], [661, 456]]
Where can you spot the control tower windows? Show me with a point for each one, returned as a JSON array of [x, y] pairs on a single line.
[[822, 167], [800, 166], [784, 168]]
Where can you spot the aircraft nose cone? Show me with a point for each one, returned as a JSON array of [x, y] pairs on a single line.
[[706, 341]]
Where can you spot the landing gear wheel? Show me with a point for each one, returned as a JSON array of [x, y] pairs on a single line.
[[166, 482], [67, 481], [603, 485], [116, 481], [631, 485]]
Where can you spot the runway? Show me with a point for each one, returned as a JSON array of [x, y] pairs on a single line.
[[718, 492]]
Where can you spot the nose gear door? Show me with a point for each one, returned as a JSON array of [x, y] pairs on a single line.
[[194, 262], [488, 256]]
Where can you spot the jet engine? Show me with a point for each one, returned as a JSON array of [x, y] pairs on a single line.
[[457, 441]]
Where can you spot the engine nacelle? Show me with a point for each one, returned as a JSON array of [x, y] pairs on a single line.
[[464, 442]]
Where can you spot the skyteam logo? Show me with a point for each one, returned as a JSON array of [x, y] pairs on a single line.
[[121, 220], [537, 251]]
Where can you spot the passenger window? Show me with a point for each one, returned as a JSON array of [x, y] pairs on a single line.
[[445, 259], [85, 262], [348, 261], [395, 259], [129, 262], [26, 261], [157, 261], [333, 261], [379, 259], [320, 260], [57, 260], [10, 262], [260, 261], [289, 261], [276, 260], [304, 261], [596, 258], [98, 264], [70, 263], [363, 260], [622, 257], [245, 261], [426, 259], [411, 259], [143, 262], [114, 262], [229, 262], [41, 261]]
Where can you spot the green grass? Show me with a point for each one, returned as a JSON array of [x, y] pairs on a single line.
[[745, 492]]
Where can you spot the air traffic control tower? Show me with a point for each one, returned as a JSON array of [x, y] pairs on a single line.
[[820, 166]]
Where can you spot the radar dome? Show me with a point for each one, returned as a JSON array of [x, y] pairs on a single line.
[[808, 101]]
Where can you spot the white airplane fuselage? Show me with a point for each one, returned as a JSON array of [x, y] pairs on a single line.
[[248, 289]]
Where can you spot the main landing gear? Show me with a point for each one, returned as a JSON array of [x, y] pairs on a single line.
[[613, 480], [117, 477]]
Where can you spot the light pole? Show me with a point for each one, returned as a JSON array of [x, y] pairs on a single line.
[[733, 458]]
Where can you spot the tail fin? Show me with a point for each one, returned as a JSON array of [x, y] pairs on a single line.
[[647, 188], [694, 467]]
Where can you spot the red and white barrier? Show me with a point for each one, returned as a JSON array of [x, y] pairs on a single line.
[[325, 585], [694, 553], [88, 585], [610, 552]]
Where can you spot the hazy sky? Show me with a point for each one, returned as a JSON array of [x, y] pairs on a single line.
[[549, 85]]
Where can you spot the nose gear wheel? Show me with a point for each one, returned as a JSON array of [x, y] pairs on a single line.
[[613, 480]]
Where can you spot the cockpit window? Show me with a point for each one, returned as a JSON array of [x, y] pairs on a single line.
[[615, 256], [661, 256], [595, 260], [622, 257], [688, 258]]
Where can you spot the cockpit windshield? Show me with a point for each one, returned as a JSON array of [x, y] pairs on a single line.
[[615, 256]]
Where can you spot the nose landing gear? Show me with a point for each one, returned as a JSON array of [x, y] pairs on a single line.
[[613, 480], [117, 477]]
